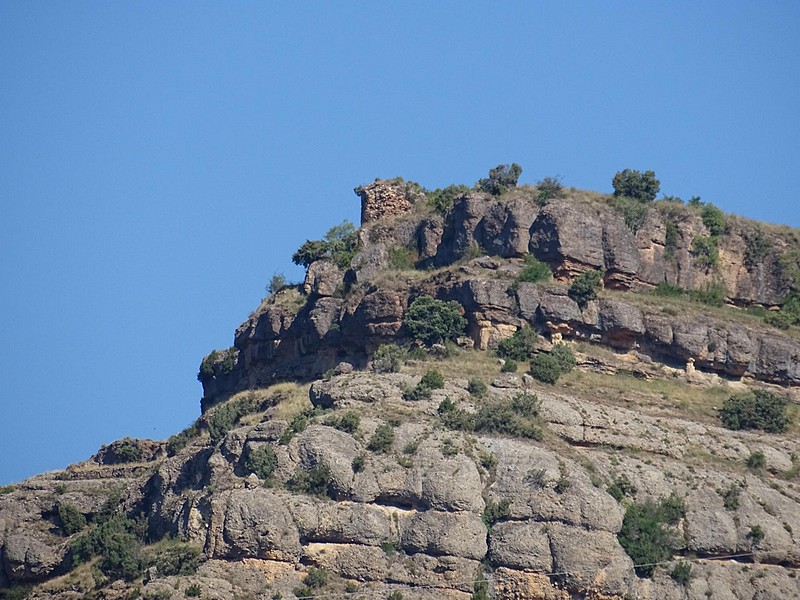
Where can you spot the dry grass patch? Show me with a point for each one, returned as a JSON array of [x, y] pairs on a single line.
[[293, 399], [466, 364], [671, 397]]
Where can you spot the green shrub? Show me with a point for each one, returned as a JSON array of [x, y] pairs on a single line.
[[682, 573], [756, 534], [316, 578], [72, 520], [788, 315], [533, 271], [340, 245], [297, 425], [712, 293], [442, 199], [517, 417], [509, 366], [670, 239], [565, 357], [549, 188], [705, 251], [417, 393], [645, 537], [633, 211], [388, 358], [314, 481], [714, 220], [178, 442], [496, 511], [395, 595], [226, 416], [128, 451], [585, 287], [545, 368], [757, 247], [432, 379], [262, 461], [477, 388], [621, 487], [634, 184], [382, 440], [193, 591], [756, 461], [668, 290], [434, 321], [501, 179], [349, 423], [113, 541], [359, 462], [520, 346], [402, 258], [730, 497], [177, 559], [757, 409]]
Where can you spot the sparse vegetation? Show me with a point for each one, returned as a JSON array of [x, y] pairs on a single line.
[[758, 409], [224, 417], [402, 258], [433, 321], [670, 239]]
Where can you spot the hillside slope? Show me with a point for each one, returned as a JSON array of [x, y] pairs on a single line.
[[318, 470]]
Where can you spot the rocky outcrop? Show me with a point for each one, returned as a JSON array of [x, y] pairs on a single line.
[[413, 518], [386, 198]]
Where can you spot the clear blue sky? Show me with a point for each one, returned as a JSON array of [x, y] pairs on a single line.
[[159, 161]]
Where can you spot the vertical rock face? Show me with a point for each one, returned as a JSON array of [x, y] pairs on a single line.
[[384, 198]]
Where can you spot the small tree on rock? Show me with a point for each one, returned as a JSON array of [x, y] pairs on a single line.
[[585, 287], [433, 321], [634, 184], [501, 179]]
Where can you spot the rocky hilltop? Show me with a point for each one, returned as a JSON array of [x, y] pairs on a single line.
[[338, 455]]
